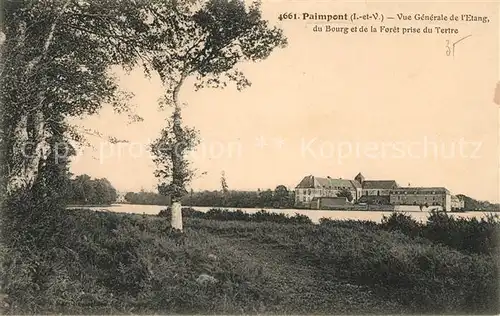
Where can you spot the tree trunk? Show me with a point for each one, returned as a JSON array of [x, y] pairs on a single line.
[[176, 220], [30, 129], [27, 161]]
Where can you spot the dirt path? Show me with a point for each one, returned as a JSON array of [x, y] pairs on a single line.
[[308, 290]]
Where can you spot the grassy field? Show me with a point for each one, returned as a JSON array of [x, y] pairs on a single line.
[[101, 262]]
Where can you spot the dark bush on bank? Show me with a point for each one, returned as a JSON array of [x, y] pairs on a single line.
[[428, 278], [465, 234], [238, 215]]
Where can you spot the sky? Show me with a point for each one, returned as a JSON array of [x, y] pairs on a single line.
[[390, 106]]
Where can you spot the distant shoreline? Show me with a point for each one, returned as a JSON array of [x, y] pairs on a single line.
[[270, 208]]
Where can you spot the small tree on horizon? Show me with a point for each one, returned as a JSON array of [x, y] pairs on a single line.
[[224, 187], [223, 182]]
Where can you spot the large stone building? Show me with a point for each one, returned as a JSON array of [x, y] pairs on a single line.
[[422, 196], [315, 187], [376, 191], [373, 192]]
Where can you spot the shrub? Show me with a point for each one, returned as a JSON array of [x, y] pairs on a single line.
[[467, 234], [357, 224], [403, 223], [238, 215], [423, 276]]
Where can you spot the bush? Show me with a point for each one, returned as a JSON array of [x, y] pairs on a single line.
[[403, 223], [423, 276], [357, 224], [238, 215], [465, 234]]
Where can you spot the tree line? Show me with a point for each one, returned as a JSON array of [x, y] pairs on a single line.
[[83, 190], [280, 197], [146, 198]]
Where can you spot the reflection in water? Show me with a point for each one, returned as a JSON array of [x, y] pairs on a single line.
[[314, 215]]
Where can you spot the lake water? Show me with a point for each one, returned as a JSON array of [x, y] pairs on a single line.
[[314, 215]]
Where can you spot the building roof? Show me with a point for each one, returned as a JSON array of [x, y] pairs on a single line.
[[423, 190], [312, 182], [356, 184], [380, 184]]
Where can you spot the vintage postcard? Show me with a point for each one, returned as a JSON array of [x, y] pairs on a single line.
[[250, 157]]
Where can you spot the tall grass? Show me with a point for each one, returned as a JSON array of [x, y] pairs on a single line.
[[100, 262]]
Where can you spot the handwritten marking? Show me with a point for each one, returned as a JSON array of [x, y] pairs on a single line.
[[451, 50]]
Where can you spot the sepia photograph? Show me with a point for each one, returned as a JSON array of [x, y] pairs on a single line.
[[249, 157]]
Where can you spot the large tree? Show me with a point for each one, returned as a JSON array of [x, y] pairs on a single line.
[[55, 64], [281, 196], [208, 44]]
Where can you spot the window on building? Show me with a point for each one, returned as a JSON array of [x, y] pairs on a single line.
[[309, 191], [304, 199]]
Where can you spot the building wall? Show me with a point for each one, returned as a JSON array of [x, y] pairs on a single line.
[[303, 197], [414, 208], [447, 206], [330, 203], [359, 193], [376, 192], [419, 198]]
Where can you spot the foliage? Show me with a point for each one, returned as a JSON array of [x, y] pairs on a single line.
[[55, 64], [238, 215], [146, 198], [471, 204], [354, 224], [426, 277], [403, 223], [280, 198], [223, 184], [209, 41], [345, 193], [467, 234], [169, 150], [82, 190]]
